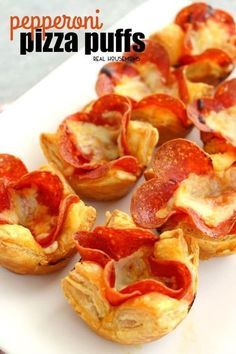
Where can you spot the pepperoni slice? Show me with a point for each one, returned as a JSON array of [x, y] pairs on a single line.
[[226, 93], [48, 186], [112, 104], [201, 12], [197, 111], [126, 163], [154, 53], [164, 101], [146, 286], [213, 55], [68, 148], [4, 197], [63, 212], [176, 159], [148, 199], [105, 243], [11, 168]]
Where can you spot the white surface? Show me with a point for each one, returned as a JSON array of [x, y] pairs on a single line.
[[34, 316]]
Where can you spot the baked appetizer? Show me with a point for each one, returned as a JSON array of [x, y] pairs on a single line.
[[100, 151], [216, 119], [164, 112], [39, 213], [205, 27], [184, 190], [131, 285], [151, 73]]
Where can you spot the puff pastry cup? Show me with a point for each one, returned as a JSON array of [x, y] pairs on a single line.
[[160, 90], [100, 151], [187, 190], [131, 285], [198, 28], [39, 213], [216, 119]]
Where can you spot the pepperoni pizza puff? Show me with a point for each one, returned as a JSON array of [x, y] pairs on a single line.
[[205, 27], [100, 151], [184, 190], [198, 29], [131, 285], [151, 72], [216, 119], [39, 213]]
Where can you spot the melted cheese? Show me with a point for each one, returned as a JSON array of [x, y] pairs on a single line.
[[133, 87], [224, 122], [211, 199], [131, 269], [32, 214], [210, 35], [98, 141], [149, 82]]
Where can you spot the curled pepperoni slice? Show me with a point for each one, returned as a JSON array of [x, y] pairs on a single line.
[[154, 53], [176, 159], [126, 163], [4, 197], [148, 199], [114, 243], [106, 245], [47, 240], [48, 187], [159, 268], [201, 12], [226, 93], [11, 168], [201, 110], [163, 101]]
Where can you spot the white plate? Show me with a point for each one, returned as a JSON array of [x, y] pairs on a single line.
[[34, 316]]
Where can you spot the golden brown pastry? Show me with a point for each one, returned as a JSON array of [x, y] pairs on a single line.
[[131, 285], [39, 213], [100, 151], [186, 190]]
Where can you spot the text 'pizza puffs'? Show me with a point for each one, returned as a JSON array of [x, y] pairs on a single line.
[[39, 213], [184, 190], [216, 119], [205, 27], [131, 285], [100, 151], [150, 72]]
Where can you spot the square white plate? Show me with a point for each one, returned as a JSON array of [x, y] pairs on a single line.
[[34, 316]]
